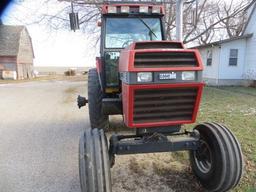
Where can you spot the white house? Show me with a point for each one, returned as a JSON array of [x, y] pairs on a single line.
[[232, 61]]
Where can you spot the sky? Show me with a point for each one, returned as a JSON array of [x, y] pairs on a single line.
[[61, 47]]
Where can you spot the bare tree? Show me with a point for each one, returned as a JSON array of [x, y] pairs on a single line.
[[212, 18], [170, 19], [234, 25], [55, 14], [204, 22]]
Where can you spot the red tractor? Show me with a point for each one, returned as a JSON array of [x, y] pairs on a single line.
[[157, 86]]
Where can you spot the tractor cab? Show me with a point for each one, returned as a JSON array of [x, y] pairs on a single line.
[[121, 25]]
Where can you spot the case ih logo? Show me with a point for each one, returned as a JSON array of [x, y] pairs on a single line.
[[167, 76]]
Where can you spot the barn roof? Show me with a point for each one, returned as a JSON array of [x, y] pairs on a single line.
[[9, 39]]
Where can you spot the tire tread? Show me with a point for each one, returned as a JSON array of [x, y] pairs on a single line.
[[94, 168], [231, 158], [95, 95]]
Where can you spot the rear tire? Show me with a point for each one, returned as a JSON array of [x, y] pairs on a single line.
[[94, 170], [218, 162], [95, 95]]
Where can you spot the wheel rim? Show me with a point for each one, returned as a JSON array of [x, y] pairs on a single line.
[[203, 157]]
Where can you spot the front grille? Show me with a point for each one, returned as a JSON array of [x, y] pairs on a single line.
[[165, 59], [157, 105]]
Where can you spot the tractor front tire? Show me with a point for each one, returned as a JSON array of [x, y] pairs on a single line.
[[218, 161], [95, 95], [94, 169]]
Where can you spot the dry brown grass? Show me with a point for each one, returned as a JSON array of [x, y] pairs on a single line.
[[137, 167], [70, 95], [71, 90]]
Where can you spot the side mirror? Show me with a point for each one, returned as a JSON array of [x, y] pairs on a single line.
[[74, 21]]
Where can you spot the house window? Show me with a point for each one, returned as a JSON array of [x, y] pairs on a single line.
[[209, 58], [233, 56]]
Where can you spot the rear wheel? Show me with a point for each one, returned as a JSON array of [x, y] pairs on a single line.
[[94, 170], [218, 161], [95, 96]]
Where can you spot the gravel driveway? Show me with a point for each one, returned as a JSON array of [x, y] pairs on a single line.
[[40, 126]]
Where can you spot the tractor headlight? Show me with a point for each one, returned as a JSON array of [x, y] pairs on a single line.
[[188, 75], [144, 77]]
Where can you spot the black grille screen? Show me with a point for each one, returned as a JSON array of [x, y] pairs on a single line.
[[156, 105], [165, 59], [158, 45]]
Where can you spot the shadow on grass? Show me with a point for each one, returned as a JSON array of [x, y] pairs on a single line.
[[117, 125], [167, 170]]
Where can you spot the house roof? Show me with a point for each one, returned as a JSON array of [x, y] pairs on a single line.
[[9, 39], [250, 17], [216, 43]]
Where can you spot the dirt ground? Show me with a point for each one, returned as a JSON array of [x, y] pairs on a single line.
[[40, 126]]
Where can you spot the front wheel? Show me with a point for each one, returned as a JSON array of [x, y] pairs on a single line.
[[218, 161], [94, 169]]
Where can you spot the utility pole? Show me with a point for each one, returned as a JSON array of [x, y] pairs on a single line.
[[179, 20]]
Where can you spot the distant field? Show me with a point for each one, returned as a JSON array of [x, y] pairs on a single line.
[[48, 78], [58, 70]]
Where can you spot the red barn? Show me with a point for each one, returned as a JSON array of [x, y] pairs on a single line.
[[16, 51]]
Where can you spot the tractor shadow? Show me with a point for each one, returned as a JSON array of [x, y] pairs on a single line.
[[152, 172], [117, 125], [165, 172]]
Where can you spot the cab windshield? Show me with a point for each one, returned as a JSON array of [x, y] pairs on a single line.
[[120, 32]]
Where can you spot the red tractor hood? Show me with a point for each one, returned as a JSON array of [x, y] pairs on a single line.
[[159, 56]]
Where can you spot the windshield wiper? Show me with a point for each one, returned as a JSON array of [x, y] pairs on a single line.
[[150, 30]]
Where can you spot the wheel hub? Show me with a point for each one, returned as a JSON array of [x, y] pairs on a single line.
[[203, 157]]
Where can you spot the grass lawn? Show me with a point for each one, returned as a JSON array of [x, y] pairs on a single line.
[[236, 108]]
